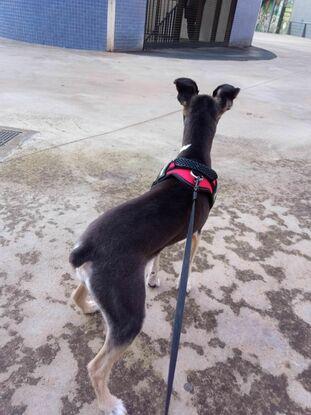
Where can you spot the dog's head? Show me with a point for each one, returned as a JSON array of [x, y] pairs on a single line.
[[224, 95], [186, 89]]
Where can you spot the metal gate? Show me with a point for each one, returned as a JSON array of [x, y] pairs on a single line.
[[173, 23]]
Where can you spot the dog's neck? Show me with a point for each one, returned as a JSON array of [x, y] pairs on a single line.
[[199, 130]]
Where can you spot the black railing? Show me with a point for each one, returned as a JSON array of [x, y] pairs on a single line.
[[302, 29], [161, 21]]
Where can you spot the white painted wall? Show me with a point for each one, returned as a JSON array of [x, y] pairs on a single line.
[[301, 11], [223, 20], [244, 22], [207, 21]]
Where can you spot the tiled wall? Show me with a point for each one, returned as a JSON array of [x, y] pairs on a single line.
[[130, 24], [78, 24]]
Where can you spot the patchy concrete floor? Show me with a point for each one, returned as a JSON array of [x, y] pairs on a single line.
[[246, 343]]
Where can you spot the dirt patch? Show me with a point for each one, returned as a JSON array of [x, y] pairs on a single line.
[[240, 387]]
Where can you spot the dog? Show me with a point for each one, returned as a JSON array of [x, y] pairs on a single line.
[[111, 256]]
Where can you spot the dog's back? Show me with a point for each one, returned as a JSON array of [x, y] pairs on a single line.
[[144, 225]]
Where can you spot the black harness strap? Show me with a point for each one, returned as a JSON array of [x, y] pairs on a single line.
[[196, 167], [181, 300]]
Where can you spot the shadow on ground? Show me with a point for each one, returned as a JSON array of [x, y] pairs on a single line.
[[217, 54]]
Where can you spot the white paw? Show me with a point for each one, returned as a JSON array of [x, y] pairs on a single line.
[[153, 281], [118, 408], [188, 286], [90, 307]]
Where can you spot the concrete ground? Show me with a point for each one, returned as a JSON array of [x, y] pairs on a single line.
[[105, 125]]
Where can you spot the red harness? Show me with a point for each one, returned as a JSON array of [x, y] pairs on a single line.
[[187, 171]]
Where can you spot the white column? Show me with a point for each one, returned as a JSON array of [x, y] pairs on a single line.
[[111, 22]]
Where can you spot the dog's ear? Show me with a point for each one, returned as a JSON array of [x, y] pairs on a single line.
[[186, 88], [225, 95]]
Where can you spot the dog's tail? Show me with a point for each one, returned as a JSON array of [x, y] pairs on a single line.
[[80, 254]]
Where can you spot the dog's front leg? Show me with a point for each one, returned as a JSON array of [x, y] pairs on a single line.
[[153, 279], [194, 248]]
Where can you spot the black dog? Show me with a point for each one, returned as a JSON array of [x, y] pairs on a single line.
[[112, 254]]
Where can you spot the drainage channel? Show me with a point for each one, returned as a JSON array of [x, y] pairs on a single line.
[[11, 138], [7, 135]]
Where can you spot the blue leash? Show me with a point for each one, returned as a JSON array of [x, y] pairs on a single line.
[[181, 300]]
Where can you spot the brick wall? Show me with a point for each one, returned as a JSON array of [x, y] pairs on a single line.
[[79, 24], [130, 24]]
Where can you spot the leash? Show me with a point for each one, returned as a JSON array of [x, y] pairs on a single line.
[[181, 299]]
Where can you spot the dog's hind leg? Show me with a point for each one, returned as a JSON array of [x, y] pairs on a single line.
[[153, 279], [117, 341], [122, 301], [99, 370], [196, 237], [81, 296]]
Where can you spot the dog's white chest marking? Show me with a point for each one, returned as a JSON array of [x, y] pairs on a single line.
[[184, 148]]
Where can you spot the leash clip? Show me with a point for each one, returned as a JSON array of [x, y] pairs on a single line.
[[196, 188]]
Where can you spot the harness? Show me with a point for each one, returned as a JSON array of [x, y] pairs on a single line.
[[188, 171]]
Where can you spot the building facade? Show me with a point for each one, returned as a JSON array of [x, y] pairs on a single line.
[[292, 17], [123, 25], [275, 16]]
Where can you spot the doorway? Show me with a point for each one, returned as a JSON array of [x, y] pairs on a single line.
[[188, 23]]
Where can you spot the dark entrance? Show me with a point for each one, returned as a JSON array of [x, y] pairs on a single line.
[[172, 23]]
